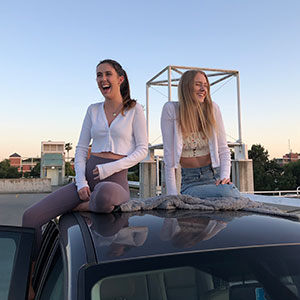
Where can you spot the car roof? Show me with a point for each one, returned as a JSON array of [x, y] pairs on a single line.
[[123, 236]]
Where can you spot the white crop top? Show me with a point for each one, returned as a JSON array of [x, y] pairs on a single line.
[[194, 145], [126, 135], [172, 139]]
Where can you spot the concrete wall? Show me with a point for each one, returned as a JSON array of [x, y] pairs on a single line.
[[242, 175], [24, 185], [163, 179], [147, 179]]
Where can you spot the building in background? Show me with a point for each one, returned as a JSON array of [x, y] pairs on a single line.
[[53, 162], [23, 164], [287, 158], [15, 160]]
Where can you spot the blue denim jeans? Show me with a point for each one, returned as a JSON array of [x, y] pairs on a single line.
[[201, 183]]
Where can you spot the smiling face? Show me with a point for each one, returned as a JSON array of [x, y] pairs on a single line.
[[200, 87], [109, 81]]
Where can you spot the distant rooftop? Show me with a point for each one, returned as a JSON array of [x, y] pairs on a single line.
[[15, 155]]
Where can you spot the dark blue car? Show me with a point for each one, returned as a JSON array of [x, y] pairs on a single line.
[[159, 255]]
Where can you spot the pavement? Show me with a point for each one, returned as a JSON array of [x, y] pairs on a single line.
[[12, 206]]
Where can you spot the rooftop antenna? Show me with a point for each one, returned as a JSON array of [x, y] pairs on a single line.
[[289, 142]]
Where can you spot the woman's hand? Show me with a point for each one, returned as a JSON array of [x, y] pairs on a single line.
[[223, 181], [84, 193], [96, 174]]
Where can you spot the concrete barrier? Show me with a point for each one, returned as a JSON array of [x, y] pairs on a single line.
[[242, 174], [25, 185]]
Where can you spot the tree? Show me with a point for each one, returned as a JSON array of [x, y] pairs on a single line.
[[68, 170], [269, 176], [260, 159], [7, 171], [133, 173], [12, 172], [68, 147], [36, 171], [293, 170]]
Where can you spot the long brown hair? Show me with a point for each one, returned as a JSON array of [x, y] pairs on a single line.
[[194, 116], [128, 103]]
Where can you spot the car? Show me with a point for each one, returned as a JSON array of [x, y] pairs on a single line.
[[158, 254]]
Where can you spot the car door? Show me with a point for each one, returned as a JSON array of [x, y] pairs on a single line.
[[48, 280], [15, 261]]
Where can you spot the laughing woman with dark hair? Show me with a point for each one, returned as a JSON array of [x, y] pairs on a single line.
[[117, 128]]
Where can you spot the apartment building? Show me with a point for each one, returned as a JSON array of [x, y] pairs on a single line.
[[53, 161]]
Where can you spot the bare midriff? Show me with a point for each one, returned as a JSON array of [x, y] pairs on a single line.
[[195, 162], [109, 155]]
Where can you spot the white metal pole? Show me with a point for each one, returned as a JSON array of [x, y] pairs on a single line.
[[239, 106], [169, 84], [147, 108], [157, 173]]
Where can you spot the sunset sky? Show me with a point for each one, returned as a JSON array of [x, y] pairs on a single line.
[[49, 51]]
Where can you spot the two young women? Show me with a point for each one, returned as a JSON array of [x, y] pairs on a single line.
[[193, 136]]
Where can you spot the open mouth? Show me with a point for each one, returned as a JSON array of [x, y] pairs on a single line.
[[106, 87]]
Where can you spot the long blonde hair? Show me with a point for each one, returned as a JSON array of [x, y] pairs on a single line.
[[194, 116]]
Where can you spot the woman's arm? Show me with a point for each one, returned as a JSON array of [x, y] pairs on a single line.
[[168, 134], [82, 151], [223, 149], [139, 129]]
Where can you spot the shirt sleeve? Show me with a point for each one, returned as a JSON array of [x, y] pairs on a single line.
[[139, 129], [168, 134], [223, 149], [82, 151]]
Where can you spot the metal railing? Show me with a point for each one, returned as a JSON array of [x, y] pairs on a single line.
[[155, 159], [282, 193]]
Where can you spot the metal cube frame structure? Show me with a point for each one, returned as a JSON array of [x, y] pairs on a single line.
[[219, 75]]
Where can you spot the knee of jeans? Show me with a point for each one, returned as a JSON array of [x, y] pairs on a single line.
[[231, 191]]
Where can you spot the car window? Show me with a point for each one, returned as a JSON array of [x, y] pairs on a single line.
[[187, 283], [15, 252], [53, 287], [48, 244], [7, 255], [248, 274]]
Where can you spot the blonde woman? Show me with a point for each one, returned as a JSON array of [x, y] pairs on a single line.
[[194, 137]]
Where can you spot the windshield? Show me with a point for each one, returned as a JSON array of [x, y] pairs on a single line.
[[261, 273]]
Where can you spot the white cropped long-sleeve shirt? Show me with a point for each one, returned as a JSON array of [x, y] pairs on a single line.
[[126, 135], [172, 141]]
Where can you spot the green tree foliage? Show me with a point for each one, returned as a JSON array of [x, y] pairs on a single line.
[[133, 173], [7, 171], [260, 158], [268, 175], [68, 170], [36, 171], [68, 147], [293, 171]]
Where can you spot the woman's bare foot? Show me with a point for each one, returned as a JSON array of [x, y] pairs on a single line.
[[84, 206]]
